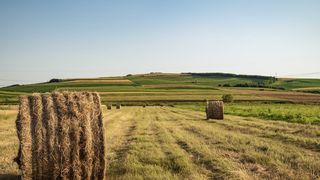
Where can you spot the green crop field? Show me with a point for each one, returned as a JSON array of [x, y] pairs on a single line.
[[297, 83], [298, 113], [177, 87]]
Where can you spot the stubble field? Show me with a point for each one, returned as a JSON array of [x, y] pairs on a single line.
[[171, 143]]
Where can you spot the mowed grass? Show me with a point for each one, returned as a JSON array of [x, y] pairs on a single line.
[[173, 143], [8, 142], [298, 113]]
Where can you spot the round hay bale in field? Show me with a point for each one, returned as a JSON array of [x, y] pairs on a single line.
[[118, 106], [61, 136], [214, 110], [109, 107]]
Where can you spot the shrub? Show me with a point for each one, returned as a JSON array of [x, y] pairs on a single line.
[[14, 85], [227, 98], [54, 80]]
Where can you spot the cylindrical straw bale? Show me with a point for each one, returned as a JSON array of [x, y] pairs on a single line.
[[61, 136], [214, 110]]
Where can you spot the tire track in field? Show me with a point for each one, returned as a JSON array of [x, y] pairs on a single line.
[[199, 159], [136, 150], [210, 164], [117, 152], [120, 153], [217, 169], [151, 128], [177, 161], [110, 115]]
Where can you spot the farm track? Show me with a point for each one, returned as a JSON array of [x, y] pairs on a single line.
[[171, 143]]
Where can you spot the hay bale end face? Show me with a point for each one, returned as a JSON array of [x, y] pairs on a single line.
[[61, 136], [214, 110]]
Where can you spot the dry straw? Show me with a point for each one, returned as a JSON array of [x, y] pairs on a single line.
[[61, 136], [109, 106], [214, 110], [118, 106]]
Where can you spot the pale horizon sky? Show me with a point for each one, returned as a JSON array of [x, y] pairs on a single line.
[[40, 40]]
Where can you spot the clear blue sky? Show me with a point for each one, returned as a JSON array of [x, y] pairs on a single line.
[[44, 39]]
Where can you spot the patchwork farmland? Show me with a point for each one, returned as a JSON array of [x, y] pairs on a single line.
[[270, 130], [185, 87]]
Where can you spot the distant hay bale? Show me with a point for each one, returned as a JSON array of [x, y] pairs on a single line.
[[214, 110], [61, 136], [109, 106], [118, 106]]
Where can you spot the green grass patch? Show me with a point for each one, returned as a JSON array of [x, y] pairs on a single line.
[[297, 83], [298, 113]]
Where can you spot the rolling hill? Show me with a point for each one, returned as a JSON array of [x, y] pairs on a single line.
[[177, 87]]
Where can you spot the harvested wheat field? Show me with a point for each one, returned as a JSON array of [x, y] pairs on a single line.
[[171, 143]]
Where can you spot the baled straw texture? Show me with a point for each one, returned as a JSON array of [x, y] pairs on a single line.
[[214, 110], [61, 136]]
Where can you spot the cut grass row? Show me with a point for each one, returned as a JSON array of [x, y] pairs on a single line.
[[251, 154], [172, 143]]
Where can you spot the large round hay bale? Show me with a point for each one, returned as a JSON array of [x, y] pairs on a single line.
[[118, 106], [214, 110], [109, 107], [61, 136]]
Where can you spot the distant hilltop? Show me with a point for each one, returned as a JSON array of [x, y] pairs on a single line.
[[205, 74]]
